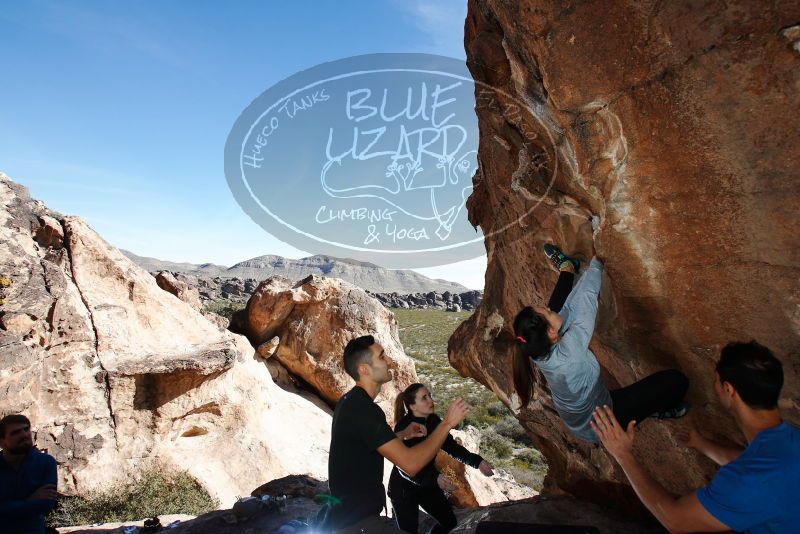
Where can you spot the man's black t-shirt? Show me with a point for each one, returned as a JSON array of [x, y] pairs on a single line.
[[355, 468]]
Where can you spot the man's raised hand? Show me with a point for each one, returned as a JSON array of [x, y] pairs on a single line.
[[615, 439], [456, 413]]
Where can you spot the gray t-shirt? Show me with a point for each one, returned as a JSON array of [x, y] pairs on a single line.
[[571, 369]]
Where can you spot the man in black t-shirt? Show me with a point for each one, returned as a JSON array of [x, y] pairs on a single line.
[[361, 438]]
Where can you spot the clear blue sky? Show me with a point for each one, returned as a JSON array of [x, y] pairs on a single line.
[[118, 112]]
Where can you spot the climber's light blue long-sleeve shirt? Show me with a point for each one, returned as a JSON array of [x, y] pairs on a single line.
[[17, 514], [571, 369]]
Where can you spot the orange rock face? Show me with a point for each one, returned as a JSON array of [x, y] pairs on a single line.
[[676, 126], [314, 319]]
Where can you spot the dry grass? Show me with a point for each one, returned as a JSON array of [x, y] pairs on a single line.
[[156, 493]]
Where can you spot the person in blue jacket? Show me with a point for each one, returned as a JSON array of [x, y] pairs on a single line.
[[407, 493], [28, 479], [755, 489], [556, 339]]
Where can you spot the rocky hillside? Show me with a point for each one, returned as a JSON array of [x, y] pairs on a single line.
[[210, 290], [675, 125], [362, 274]]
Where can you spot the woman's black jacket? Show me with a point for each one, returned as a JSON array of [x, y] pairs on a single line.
[[398, 481]]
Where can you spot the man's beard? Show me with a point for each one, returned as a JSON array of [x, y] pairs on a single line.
[[22, 448]]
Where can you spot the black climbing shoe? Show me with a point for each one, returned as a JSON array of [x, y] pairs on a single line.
[[674, 413], [558, 258]]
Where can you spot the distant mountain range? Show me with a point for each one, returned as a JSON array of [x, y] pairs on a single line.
[[362, 274]]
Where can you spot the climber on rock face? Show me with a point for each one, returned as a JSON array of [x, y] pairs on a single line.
[[27, 478], [556, 338], [755, 490], [361, 438]]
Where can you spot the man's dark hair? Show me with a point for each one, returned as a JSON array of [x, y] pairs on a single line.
[[754, 372], [13, 419], [357, 352]]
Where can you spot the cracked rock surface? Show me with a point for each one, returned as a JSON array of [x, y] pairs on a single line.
[[674, 125], [118, 375]]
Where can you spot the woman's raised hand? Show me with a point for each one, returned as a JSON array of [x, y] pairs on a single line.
[[486, 468], [456, 413]]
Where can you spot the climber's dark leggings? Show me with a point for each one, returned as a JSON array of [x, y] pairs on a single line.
[[655, 393], [658, 392], [561, 291]]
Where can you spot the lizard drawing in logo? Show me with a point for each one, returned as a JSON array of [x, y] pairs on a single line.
[[429, 182]]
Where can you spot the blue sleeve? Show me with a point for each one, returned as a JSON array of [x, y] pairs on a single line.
[[17, 508], [583, 310], [736, 499]]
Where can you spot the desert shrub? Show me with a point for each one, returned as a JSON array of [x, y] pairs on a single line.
[[532, 478], [509, 427], [157, 492], [496, 409], [495, 445], [225, 308], [532, 458]]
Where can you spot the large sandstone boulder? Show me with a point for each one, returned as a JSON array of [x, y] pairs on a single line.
[[117, 375], [674, 125], [313, 320]]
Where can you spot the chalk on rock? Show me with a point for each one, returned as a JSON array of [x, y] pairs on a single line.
[[595, 224]]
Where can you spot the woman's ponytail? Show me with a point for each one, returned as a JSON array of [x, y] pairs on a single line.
[[532, 342], [403, 400]]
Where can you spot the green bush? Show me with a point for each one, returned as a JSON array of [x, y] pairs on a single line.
[[495, 444], [156, 493], [532, 478], [225, 308], [509, 427], [496, 409], [531, 458]]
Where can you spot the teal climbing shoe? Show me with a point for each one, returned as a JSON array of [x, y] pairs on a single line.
[[558, 258]]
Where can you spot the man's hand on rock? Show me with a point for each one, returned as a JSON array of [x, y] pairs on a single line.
[[414, 430], [615, 439], [456, 413], [47, 492]]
